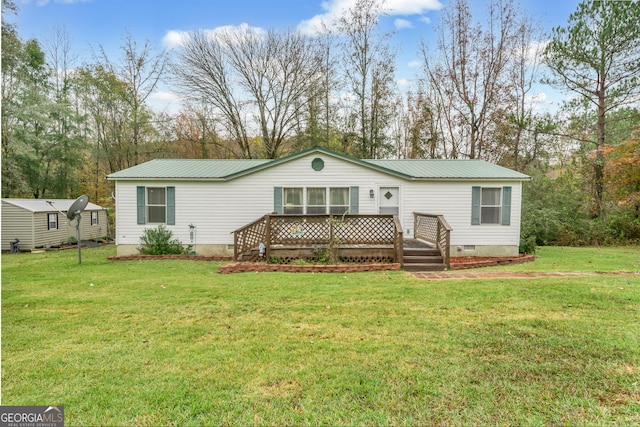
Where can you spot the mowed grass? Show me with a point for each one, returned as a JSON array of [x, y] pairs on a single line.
[[175, 343]]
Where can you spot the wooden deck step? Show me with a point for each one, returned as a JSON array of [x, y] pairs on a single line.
[[424, 267], [422, 259]]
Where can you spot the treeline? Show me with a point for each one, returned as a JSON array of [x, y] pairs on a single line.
[[249, 93]]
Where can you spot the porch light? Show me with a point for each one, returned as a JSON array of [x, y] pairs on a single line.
[[371, 194]]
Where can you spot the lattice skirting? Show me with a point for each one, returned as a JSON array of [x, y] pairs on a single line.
[[350, 255]]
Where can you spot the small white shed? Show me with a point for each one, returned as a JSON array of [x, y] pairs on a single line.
[[204, 201], [38, 224]]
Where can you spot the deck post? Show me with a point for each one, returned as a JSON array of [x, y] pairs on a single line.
[[448, 251], [330, 230], [235, 246], [267, 237]]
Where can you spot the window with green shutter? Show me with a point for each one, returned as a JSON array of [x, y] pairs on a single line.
[[490, 205], [156, 205]]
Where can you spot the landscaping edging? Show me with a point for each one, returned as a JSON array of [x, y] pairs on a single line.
[[463, 263]]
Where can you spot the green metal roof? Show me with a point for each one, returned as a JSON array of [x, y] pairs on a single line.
[[227, 169], [186, 169], [449, 169]]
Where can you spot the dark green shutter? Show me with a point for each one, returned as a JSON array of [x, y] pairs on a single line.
[[475, 205], [141, 204], [506, 205], [171, 205], [277, 200], [354, 200]]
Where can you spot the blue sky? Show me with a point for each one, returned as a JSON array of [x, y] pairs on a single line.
[[91, 23]]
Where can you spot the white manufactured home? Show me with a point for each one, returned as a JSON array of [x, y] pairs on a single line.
[[204, 201], [39, 223]]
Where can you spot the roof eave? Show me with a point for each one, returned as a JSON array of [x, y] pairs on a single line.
[[164, 178], [476, 178]]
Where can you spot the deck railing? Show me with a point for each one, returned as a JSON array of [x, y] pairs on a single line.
[[249, 236], [311, 230], [434, 229]]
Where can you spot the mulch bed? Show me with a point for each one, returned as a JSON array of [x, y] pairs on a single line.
[[457, 263]]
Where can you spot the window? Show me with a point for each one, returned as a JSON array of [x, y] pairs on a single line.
[[316, 201], [156, 205], [52, 221], [292, 201], [339, 201], [490, 206], [313, 200], [94, 217]]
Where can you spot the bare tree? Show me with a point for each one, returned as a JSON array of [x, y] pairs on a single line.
[[368, 62], [471, 75], [140, 69], [263, 75]]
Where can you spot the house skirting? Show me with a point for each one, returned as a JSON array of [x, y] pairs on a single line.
[[484, 251], [225, 251]]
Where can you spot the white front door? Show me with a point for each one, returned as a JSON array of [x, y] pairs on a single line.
[[389, 200]]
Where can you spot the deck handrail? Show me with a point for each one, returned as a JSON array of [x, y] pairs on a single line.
[[285, 229], [249, 236], [434, 229]]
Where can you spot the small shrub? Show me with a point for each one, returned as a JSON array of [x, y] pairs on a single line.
[[528, 245], [160, 241], [274, 260], [321, 255]]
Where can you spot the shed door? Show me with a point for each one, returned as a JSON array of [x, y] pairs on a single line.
[[389, 200]]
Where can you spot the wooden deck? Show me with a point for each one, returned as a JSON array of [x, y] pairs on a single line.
[[284, 239], [418, 255]]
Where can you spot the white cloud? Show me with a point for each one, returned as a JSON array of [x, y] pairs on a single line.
[[538, 101], [165, 96], [403, 82], [174, 38], [411, 7], [535, 50], [425, 19], [334, 9], [414, 64], [400, 23]]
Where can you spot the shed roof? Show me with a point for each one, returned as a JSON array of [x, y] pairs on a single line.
[[41, 205], [227, 169]]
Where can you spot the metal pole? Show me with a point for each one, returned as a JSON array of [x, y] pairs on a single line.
[[78, 217]]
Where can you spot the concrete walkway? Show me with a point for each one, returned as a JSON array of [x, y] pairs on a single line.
[[466, 274]]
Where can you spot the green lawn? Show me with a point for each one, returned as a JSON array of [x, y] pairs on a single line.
[[175, 343]]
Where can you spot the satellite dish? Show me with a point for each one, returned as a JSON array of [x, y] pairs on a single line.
[[77, 207], [74, 212]]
